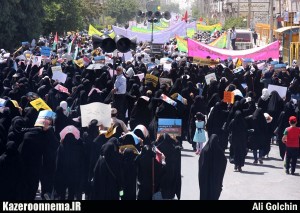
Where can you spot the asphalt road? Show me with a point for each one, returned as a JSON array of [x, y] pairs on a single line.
[[256, 182]]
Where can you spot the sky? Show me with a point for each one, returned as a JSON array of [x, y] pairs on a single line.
[[182, 3]]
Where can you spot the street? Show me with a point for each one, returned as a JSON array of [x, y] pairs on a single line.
[[256, 182]]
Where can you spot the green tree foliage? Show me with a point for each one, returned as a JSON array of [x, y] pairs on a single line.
[[23, 20], [8, 23], [122, 10], [171, 7], [20, 21], [235, 22], [63, 15]]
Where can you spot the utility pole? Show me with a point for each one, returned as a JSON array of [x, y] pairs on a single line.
[[280, 7], [238, 9], [271, 21], [249, 13]]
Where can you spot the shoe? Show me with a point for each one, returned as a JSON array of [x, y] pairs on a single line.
[[293, 173], [235, 168], [260, 161], [255, 162], [240, 169], [287, 172]]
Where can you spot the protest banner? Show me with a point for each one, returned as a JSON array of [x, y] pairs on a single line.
[[197, 49], [204, 61], [56, 69], [99, 111]]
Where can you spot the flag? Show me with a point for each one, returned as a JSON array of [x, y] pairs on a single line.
[[239, 63], [55, 42], [76, 52], [185, 17], [94, 31], [70, 45], [181, 44], [220, 42]]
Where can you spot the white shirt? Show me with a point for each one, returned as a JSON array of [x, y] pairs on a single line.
[[120, 84], [233, 35]]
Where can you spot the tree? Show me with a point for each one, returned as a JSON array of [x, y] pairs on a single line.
[[9, 26], [63, 15], [235, 22], [91, 11], [122, 10]]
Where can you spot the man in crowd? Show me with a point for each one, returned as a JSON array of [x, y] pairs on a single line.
[[119, 91]]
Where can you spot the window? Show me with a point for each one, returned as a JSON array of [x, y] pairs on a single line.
[[243, 37]]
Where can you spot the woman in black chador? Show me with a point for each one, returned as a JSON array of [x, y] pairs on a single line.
[[212, 166], [107, 183], [238, 128]]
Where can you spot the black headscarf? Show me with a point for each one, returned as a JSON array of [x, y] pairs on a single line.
[[107, 179], [212, 166]]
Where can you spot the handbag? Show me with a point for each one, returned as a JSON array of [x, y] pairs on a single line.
[[276, 131], [224, 126]]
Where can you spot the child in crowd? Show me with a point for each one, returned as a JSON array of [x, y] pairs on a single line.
[[199, 137], [291, 140]]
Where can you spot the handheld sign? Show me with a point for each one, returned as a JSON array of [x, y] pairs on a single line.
[[98, 111], [228, 97], [45, 51], [210, 77], [40, 104]]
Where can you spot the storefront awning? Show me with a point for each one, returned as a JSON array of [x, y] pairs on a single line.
[[283, 29]]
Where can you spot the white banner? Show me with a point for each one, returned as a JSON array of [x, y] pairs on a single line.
[[160, 37]]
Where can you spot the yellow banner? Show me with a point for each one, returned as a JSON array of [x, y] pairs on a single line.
[[209, 28], [40, 104], [204, 61]]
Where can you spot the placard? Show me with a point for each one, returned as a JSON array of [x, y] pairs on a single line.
[[99, 111], [40, 104], [167, 67], [56, 68], [168, 100], [61, 89], [228, 97], [281, 90], [59, 76], [170, 126], [165, 81], [210, 77], [45, 51], [141, 76]]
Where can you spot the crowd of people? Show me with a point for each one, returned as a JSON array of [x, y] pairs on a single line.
[[134, 163]]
